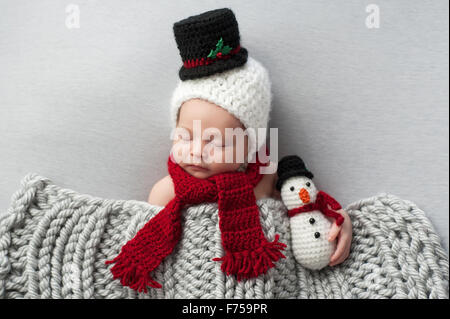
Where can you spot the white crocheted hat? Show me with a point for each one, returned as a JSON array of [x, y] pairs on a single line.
[[243, 91]]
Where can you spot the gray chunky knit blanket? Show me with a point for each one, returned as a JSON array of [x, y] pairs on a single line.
[[54, 242]]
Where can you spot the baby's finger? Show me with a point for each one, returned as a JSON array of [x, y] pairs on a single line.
[[334, 231], [343, 257], [341, 245], [338, 261]]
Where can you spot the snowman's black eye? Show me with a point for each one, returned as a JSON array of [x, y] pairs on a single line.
[[308, 184], [292, 188]]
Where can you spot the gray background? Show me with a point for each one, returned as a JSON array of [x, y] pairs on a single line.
[[366, 108]]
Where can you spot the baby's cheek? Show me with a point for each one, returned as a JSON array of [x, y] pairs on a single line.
[[214, 154], [181, 150], [228, 155]]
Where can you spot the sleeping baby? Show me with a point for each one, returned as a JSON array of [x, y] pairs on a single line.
[[219, 107]]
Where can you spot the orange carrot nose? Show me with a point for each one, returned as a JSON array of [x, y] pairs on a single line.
[[304, 196]]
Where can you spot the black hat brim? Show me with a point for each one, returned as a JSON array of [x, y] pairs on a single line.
[[221, 65], [290, 174]]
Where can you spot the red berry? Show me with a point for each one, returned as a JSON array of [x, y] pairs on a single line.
[[219, 54]]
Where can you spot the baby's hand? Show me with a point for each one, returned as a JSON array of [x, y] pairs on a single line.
[[344, 239]]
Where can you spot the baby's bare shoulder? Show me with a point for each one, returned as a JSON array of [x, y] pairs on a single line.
[[162, 192]]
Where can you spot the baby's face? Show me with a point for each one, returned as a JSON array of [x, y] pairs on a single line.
[[207, 151]]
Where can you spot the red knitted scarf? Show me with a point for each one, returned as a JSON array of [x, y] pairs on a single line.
[[247, 252], [321, 203]]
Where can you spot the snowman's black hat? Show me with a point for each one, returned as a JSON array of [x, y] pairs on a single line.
[[290, 166], [209, 43]]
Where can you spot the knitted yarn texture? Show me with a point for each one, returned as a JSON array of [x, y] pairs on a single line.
[[309, 226], [54, 243], [209, 43], [247, 252], [245, 92]]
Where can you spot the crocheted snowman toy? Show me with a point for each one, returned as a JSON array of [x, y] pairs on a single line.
[[308, 211]]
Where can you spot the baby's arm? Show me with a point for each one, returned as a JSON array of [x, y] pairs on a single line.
[[343, 234], [162, 192]]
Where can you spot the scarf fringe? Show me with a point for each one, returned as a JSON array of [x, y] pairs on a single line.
[[133, 276], [249, 264]]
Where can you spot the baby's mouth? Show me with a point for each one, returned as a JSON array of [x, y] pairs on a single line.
[[197, 168]]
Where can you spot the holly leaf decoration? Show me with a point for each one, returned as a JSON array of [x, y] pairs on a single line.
[[226, 49], [212, 54], [219, 44], [219, 48]]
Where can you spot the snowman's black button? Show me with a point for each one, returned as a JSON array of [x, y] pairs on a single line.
[[312, 220], [317, 234]]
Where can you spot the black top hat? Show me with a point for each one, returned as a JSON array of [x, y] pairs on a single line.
[[290, 166], [209, 43]]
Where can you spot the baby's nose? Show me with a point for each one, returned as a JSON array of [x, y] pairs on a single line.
[[197, 150]]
